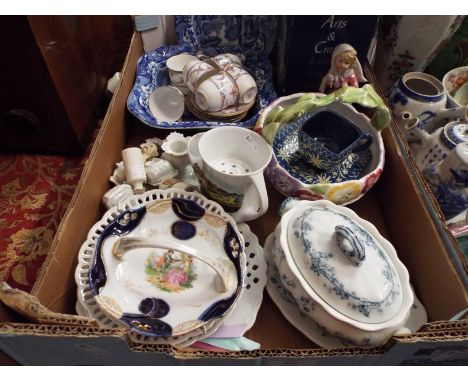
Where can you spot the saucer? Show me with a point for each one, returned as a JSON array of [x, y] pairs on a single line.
[[286, 149], [288, 306], [231, 114]]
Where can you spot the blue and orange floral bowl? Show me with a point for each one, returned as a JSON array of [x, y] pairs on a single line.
[[344, 187]]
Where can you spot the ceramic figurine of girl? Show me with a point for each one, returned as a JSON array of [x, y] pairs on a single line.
[[345, 70]]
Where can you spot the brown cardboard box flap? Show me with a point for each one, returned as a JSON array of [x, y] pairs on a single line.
[[30, 307]]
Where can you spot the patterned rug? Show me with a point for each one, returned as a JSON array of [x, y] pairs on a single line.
[[34, 193]]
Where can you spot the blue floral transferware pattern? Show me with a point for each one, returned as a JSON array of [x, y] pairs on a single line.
[[324, 263], [257, 33], [291, 309], [153, 73], [287, 153], [451, 194]]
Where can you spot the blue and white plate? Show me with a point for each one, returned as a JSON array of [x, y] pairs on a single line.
[[153, 73], [286, 150], [257, 33]]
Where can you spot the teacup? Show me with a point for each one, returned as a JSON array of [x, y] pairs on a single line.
[[453, 82], [326, 138], [195, 72], [245, 82], [217, 93], [227, 58], [229, 163], [175, 65]]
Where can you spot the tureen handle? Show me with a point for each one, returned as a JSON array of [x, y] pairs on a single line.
[[350, 244], [287, 204], [224, 268]]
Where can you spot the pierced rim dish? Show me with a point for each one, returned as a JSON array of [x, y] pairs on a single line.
[[148, 289], [236, 324]]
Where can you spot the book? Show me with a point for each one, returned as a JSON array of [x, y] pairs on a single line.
[[305, 44]]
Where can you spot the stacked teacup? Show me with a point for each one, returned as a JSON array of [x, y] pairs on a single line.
[[218, 88]]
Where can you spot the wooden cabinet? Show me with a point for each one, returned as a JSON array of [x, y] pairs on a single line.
[[53, 76]]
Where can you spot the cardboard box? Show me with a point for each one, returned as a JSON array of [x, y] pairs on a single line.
[[395, 205]]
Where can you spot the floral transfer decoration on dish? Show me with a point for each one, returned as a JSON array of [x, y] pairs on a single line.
[[320, 265], [171, 272], [286, 150]]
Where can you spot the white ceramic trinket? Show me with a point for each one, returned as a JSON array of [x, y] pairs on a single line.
[[149, 149], [158, 170], [116, 195], [118, 177], [175, 150], [134, 164]]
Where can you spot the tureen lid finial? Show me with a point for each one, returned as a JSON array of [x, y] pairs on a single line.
[[350, 244]]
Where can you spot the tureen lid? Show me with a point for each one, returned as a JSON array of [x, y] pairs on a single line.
[[344, 260]]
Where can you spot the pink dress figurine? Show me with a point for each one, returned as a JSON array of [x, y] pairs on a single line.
[[345, 70]]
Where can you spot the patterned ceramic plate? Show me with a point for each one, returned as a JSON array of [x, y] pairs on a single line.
[[236, 324], [152, 73], [286, 150], [167, 288]]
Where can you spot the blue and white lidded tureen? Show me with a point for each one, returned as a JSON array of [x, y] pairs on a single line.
[[356, 286]]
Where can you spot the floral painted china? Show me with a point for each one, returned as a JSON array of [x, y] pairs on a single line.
[[239, 320], [289, 157], [343, 191], [236, 112], [159, 291], [152, 73]]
